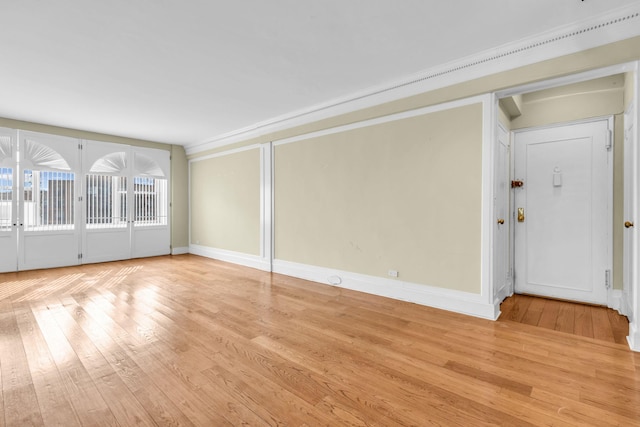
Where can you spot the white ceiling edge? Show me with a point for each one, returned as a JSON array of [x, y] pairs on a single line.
[[616, 25]]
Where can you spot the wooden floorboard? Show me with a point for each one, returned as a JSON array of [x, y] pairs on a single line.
[[573, 318], [186, 340]]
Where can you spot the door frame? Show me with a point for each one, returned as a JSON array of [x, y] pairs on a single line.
[[609, 196], [634, 286]]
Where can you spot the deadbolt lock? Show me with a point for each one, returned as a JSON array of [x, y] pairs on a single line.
[[501, 221], [520, 214]]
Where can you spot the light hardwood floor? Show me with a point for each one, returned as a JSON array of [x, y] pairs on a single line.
[[186, 340], [580, 319]]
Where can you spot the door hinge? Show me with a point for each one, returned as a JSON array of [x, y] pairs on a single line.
[[79, 256], [607, 279], [79, 146], [79, 198], [609, 140]]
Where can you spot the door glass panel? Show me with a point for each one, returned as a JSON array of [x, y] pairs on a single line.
[[150, 201], [106, 201], [48, 200], [6, 198]]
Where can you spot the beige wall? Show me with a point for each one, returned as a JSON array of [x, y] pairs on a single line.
[[597, 98], [179, 183], [629, 88], [359, 249], [403, 195], [504, 119], [179, 198], [225, 202]]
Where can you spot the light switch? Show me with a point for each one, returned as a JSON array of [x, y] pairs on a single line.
[[557, 177]]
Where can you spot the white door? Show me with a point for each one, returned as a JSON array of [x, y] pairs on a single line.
[[563, 212], [48, 235], [106, 223], [8, 201], [502, 267], [151, 234]]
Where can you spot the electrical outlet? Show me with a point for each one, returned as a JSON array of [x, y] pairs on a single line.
[[393, 273]]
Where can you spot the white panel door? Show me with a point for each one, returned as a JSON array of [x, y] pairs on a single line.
[[151, 235], [563, 241], [501, 239], [8, 201], [106, 223], [48, 234]]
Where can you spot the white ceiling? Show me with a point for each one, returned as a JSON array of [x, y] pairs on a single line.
[[184, 72]]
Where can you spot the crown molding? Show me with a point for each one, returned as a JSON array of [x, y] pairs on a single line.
[[617, 25]]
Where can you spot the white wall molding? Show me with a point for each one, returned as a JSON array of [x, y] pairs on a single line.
[[431, 296], [634, 337], [266, 202], [488, 217], [384, 119], [617, 25], [180, 251], [226, 152], [239, 258]]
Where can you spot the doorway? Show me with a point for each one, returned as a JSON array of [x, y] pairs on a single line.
[[597, 95], [562, 198]]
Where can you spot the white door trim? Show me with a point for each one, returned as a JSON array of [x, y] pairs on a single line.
[[489, 141], [634, 304]]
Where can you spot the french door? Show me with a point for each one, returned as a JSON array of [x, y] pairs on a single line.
[[48, 185], [107, 228], [126, 202], [65, 201]]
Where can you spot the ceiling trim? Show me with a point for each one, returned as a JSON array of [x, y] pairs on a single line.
[[617, 25]]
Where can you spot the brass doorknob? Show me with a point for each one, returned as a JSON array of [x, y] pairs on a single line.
[[501, 221], [628, 224]]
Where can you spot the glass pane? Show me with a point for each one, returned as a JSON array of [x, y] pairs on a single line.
[[106, 201], [48, 200], [6, 198], [150, 201]]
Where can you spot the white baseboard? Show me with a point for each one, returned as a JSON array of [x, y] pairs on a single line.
[[247, 260], [446, 299], [634, 337], [180, 251], [618, 300]]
